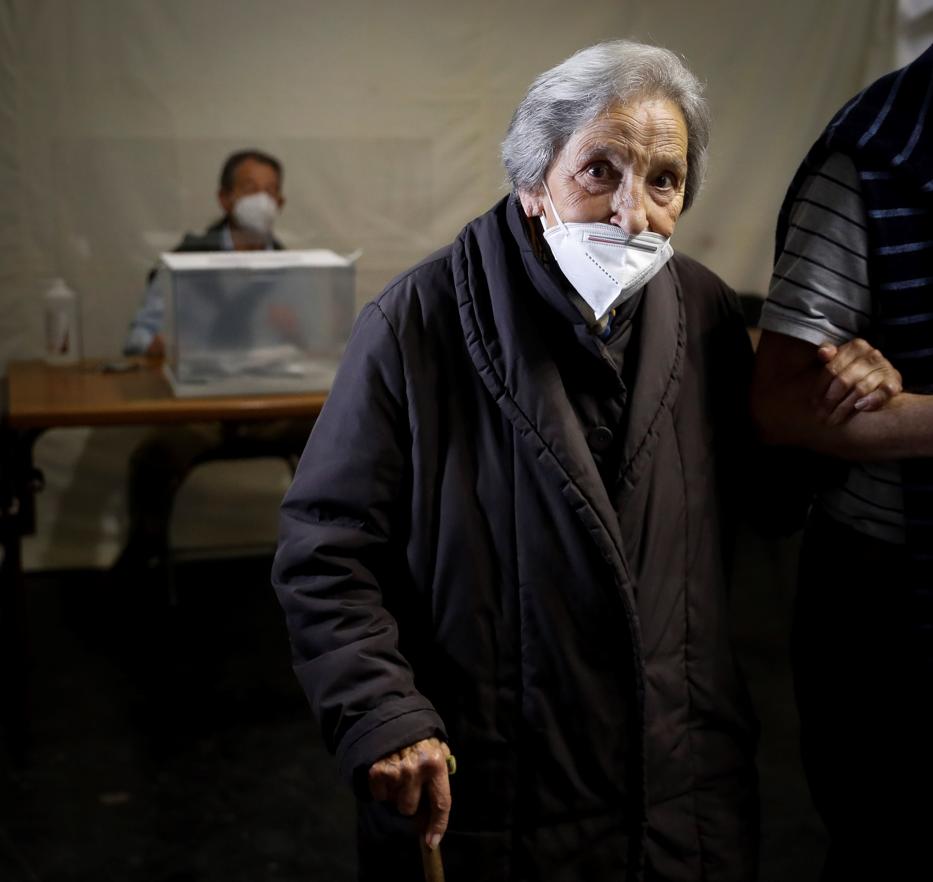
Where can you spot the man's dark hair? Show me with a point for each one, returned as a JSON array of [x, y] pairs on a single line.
[[233, 161]]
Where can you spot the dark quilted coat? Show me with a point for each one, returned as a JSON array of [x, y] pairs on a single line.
[[451, 563]]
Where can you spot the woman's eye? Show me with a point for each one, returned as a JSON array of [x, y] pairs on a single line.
[[665, 181], [599, 171]]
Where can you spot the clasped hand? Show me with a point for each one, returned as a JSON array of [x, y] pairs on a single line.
[[857, 378]]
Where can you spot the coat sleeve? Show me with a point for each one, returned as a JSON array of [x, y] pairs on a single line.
[[341, 551]]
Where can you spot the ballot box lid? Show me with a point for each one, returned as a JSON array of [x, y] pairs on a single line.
[[256, 260]]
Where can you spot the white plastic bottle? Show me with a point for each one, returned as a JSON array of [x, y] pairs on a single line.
[[62, 324]]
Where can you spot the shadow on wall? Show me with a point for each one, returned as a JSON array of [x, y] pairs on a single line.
[[793, 838]]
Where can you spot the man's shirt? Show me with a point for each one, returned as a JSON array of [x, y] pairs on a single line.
[[820, 293], [150, 316]]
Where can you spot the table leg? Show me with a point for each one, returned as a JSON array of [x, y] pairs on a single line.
[[19, 482]]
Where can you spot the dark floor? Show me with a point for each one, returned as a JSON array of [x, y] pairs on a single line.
[[168, 743], [171, 743]]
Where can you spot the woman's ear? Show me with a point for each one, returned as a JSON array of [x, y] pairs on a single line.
[[532, 202]]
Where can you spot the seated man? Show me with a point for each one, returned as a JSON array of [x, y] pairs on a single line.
[[250, 195]]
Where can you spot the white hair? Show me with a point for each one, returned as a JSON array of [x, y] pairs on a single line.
[[578, 90]]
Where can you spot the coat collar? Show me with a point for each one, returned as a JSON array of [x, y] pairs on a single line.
[[497, 301], [661, 353]]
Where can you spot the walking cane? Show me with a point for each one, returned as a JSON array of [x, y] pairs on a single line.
[[431, 858], [432, 863]]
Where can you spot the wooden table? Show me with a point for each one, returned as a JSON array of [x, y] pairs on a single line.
[[40, 397]]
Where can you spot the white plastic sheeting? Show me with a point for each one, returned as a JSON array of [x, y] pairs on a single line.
[[914, 29], [116, 115]]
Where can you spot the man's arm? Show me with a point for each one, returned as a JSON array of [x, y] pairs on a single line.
[[790, 404], [143, 337]]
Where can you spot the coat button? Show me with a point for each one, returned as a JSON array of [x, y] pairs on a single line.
[[600, 439]]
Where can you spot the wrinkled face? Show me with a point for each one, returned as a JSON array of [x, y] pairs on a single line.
[[251, 176], [628, 167]]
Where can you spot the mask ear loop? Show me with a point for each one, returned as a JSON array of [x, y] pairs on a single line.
[[554, 209]]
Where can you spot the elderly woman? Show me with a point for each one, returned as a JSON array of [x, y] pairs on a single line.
[[506, 537]]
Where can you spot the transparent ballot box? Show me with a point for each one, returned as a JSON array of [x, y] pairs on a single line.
[[240, 323]]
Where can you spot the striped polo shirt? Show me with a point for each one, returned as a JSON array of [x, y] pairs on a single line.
[[820, 293]]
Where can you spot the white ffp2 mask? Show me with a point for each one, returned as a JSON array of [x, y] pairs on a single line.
[[256, 213], [605, 265]]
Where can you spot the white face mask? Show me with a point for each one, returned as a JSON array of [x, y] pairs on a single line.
[[256, 213], [604, 264]]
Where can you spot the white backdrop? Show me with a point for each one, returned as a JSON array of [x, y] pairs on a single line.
[[116, 116]]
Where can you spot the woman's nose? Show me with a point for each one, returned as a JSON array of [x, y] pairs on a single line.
[[628, 211]]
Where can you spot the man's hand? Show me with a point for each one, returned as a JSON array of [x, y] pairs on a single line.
[[156, 348], [859, 378], [284, 321], [414, 774]]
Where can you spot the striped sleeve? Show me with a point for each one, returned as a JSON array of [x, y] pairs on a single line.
[[819, 290]]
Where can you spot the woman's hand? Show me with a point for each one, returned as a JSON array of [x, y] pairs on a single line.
[[414, 774], [859, 378]]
